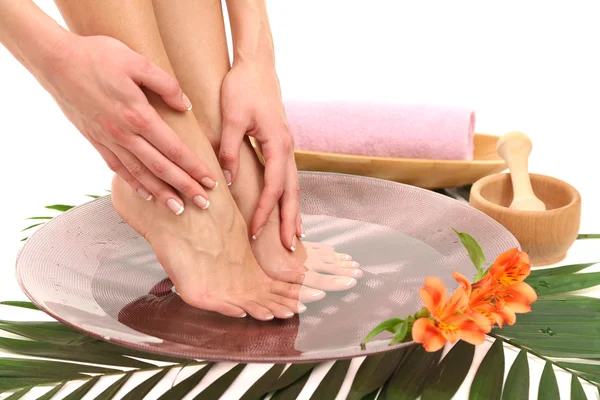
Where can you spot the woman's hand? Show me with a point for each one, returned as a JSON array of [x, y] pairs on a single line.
[[252, 105], [97, 83]]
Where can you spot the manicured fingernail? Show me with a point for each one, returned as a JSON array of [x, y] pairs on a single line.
[[208, 182], [175, 206], [186, 101], [201, 202], [255, 236], [293, 246], [301, 308], [358, 273], [269, 317], [346, 281], [227, 176], [243, 315], [145, 194]]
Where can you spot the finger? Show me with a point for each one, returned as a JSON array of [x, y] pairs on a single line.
[[233, 133], [170, 173], [163, 192], [162, 138], [290, 205], [275, 176], [118, 168], [150, 76]]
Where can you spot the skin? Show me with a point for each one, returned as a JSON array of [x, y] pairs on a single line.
[[193, 34], [96, 82], [202, 249]]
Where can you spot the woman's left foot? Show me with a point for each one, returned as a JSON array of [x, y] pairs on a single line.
[[314, 265]]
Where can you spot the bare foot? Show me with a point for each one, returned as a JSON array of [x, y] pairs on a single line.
[[311, 264], [207, 255]]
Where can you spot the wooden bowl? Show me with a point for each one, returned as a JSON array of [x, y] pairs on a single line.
[[544, 235], [428, 174]]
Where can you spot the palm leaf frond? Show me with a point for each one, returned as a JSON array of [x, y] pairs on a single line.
[[561, 325]]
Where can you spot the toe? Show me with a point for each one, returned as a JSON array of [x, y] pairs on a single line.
[[209, 304], [343, 257], [291, 304], [329, 282], [278, 310], [296, 293], [256, 310]]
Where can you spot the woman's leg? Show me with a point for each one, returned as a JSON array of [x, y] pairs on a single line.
[[193, 33], [206, 253]]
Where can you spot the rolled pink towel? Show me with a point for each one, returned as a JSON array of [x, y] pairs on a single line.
[[383, 130]]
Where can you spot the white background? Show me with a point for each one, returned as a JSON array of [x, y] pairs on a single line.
[[522, 65]]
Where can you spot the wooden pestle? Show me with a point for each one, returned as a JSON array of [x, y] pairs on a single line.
[[514, 148]]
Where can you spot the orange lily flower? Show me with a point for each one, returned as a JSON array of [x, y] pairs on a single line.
[[483, 302], [451, 318]]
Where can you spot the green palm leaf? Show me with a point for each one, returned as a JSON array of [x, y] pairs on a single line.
[[560, 325]]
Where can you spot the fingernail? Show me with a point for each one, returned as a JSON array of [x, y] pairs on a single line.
[[269, 317], [243, 315], [208, 182], [175, 206], [201, 202], [358, 273], [346, 281], [255, 236], [301, 308], [293, 247], [186, 101], [227, 176], [145, 194]]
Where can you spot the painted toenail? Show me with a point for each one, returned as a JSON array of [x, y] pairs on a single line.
[[302, 235], [201, 202], [243, 315], [255, 236], [289, 314], [358, 273], [301, 308], [317, 293], [346, 281], [175, 206], [208, 182], [269, 317], [293, 246], [344, 257]]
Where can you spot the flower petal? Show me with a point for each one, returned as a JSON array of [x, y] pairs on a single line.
[[470, 333], [433, 294], [424, 331], [462, 280], [458, 302]]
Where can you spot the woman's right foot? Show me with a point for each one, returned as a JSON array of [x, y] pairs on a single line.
[[207, 256]]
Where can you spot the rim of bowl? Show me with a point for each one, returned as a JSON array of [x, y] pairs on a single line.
[[476, 192]]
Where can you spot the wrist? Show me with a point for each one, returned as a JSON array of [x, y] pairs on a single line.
[[51, 56]]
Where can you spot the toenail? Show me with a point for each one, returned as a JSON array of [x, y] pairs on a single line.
[[289, 314], [255, 236], [293, 246], [301, 308], [302, 235], [317, 293], [358, 273], [269, 317], [345, 281], [243, 315], [175, 206], [345, 257], [201, 202]]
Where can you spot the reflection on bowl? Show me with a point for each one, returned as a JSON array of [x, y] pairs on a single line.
[[544, 235]]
